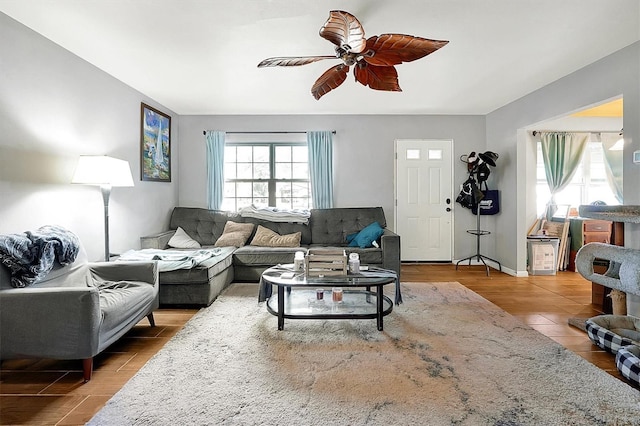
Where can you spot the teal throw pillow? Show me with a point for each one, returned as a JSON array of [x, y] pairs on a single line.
[[366, 236]]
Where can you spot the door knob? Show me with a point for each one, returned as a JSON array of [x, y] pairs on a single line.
[[448, 209], [448, 200]]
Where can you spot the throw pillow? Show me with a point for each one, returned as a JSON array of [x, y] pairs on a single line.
[[265, 237], [366, 236], [234, 234], [182, 240]]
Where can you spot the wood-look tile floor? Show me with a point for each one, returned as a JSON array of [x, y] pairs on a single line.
[[48, 392]]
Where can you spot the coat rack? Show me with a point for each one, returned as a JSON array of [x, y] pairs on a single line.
[[471, 197], [478, 233]]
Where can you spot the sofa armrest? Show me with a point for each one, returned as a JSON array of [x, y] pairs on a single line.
[[52, 322], [125, 271], [157, 241], [390, 245]]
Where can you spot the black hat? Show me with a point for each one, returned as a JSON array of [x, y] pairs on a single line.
[[489, 157]]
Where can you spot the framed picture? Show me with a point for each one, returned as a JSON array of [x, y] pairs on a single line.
[[155, 145]]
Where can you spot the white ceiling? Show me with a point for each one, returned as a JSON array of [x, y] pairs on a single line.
[[201, 56]]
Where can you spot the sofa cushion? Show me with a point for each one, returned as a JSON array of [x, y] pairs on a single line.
[[204, 226], [265, 237], [331, 226], [235, 234], [121, 302], [202, 273], [366, 237], [264, 256]]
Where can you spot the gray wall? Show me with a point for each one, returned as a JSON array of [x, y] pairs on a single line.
[[363, 156], [612, 76], [54, 107]]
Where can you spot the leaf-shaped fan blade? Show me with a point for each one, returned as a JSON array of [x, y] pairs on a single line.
[[332, 78], [345, 31], [378, 78], [394, 49], [284, 61]]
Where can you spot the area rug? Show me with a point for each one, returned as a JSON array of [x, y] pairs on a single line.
[[446, 357]]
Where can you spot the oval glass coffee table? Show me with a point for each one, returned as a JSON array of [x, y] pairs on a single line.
[[296, 297]]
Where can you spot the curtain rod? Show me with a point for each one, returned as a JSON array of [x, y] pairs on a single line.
[[535, 132], [204, 132]]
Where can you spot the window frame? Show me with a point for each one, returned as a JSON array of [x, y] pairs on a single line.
[[272, 181]]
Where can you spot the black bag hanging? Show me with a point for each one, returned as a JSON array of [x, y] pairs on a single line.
[[470, 194]]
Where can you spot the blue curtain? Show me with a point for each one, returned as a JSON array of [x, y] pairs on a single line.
[[215, 168], [320, 146]]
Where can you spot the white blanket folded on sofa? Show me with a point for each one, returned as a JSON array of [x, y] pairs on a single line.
[[170, 260], [275, 214]]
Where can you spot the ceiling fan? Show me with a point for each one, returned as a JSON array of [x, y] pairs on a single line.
[[374, 58]]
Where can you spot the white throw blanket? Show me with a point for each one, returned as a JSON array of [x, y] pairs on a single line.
[[275, 214], [170, 260]]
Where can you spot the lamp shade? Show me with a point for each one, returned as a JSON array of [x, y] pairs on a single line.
[[102, 170]]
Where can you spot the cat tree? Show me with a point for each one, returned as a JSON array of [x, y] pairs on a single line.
[[624, 263]]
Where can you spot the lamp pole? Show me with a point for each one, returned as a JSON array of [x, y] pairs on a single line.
[[106, 172], [106, 192]]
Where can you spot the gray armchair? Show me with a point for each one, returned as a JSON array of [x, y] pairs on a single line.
[[76, 311]]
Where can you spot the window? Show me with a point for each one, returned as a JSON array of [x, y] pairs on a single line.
[[266, 174], [588, 184]]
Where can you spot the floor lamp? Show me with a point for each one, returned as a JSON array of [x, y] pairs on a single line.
[[106, 172]]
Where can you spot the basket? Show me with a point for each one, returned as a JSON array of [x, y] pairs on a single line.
[[325, 262]]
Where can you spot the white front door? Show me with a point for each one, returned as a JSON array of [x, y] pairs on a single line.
[[424, 199]]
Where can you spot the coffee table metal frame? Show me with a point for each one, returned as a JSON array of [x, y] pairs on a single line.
[[352, 287]]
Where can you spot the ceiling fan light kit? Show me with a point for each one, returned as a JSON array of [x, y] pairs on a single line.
[[373, 59]]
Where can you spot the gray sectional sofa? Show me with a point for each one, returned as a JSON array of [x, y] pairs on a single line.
[[325, 228]]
